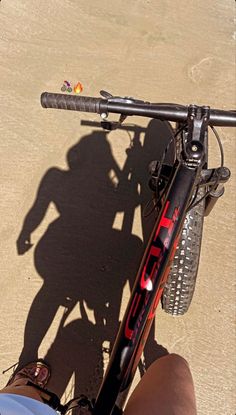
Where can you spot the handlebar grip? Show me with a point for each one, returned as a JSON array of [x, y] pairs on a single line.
[[70, 102]]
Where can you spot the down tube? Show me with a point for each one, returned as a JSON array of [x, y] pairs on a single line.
[[143, 298]]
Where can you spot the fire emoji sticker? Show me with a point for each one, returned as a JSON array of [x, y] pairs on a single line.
[[78, 88]]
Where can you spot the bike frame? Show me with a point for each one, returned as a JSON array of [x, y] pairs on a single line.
[[146, 292], [154, 268]]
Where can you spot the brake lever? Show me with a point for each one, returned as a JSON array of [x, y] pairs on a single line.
[[126, 100]]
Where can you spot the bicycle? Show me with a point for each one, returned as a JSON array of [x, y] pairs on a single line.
[[183, 193]]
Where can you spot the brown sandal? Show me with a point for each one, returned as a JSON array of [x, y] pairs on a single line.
[[38, 372]]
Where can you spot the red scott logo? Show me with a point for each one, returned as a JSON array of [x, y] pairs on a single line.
[[155, 254]]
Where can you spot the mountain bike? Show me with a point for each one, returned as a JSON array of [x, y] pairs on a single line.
[[183, 193]]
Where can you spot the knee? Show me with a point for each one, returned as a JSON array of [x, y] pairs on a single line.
[[171, 363], [177, 359]]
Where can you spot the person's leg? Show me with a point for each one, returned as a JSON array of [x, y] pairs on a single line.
[[165, 389]]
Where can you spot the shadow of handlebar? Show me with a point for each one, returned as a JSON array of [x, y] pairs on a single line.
[[126, 127]]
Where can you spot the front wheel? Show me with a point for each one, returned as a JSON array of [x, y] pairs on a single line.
[[178, 292]]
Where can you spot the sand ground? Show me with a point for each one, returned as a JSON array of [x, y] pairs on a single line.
[[161, 51]]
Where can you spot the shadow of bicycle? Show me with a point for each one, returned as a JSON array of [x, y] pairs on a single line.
[[82, 259]]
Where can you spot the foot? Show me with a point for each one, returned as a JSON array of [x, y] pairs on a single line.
[[37, 372]]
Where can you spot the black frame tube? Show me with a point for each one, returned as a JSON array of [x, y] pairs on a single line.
[[119, 372]]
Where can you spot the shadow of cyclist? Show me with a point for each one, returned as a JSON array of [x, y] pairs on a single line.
[[80, 257]]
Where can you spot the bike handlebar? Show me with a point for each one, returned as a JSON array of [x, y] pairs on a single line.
[[129, 106]]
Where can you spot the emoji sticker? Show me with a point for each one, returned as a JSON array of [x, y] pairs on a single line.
[[78, 88], [66, 87]]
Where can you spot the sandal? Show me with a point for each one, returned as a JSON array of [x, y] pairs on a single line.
[[38, 372]]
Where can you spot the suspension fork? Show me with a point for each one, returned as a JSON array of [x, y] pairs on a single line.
[[216, 178]]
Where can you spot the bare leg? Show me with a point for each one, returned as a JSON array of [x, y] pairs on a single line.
[[165, 389]]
